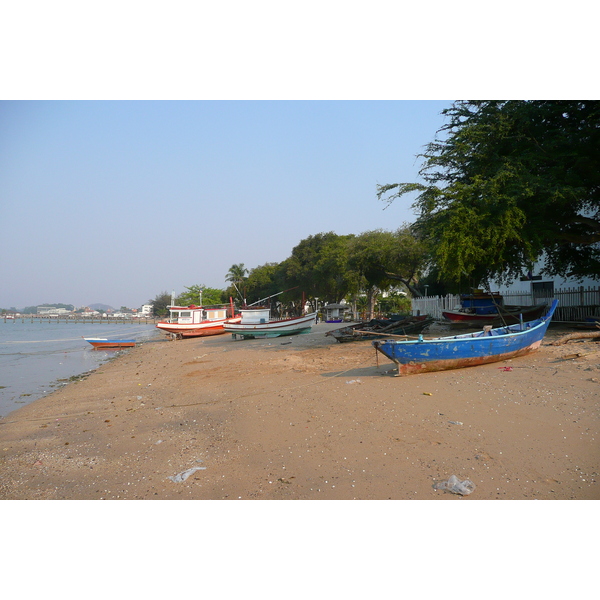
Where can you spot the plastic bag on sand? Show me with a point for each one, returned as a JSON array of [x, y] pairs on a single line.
[[183, 476], [455, 485]]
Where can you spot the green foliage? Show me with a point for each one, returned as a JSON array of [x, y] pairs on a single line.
[[334, 267], [160, 304], [395, 303], [210, 296], [382, 258], [507, 183], [318, 266], [262, 282], [237, 277]]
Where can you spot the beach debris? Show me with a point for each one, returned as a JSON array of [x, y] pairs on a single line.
[[427, 394], [185, 474], [577, 355], [505, 368], [456, 422], [455, 485], [576, 336], [354, 381]]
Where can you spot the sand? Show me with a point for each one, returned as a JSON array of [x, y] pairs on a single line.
[[307, 418]]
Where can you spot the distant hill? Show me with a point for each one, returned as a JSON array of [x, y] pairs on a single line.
[[101, 307]]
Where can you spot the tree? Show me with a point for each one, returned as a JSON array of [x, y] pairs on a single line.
[[395, 302], [262, 281], [318, 266], [237, 276], [160, 304], [508, 183], [368, 254], [209, 296], [383, 257]]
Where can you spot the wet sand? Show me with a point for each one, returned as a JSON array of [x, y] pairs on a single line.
[[307, 418]]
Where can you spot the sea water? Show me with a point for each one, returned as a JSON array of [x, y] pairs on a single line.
[[35, 356]]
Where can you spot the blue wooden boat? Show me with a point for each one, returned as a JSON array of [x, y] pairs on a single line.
[[466, 350]]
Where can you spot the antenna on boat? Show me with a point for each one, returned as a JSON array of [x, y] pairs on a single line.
[[489, 287], [238, 291], [273, 295]]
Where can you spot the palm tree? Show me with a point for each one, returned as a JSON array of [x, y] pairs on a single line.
[[237, 276]]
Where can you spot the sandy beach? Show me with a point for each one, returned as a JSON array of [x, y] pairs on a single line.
[[308, 418]]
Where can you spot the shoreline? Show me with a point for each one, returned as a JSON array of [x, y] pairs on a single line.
[[304, 417], [38, 360]]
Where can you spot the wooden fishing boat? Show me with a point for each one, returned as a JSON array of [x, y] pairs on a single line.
[[592, 322], [488, 308], [257, 323], [466, 350], [197, 321], [376, 328], [105, 343]]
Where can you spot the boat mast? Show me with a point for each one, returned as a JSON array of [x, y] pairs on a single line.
[[272, 296]]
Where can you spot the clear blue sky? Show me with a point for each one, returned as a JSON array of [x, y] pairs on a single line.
[[115, 202]]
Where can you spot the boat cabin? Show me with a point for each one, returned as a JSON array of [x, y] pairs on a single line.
[[255, 315], [482, 303], [195, 314]]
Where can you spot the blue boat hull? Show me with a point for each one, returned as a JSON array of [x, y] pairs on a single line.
[[467, 350]]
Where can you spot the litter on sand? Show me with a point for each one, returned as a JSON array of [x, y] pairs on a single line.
[[185, 474], [455, 485]]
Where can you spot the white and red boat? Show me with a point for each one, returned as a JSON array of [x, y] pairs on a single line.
[[197, 321], [257, 323], [106, 343]]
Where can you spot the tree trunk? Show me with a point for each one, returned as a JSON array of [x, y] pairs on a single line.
[[371, 297], [411, 288]]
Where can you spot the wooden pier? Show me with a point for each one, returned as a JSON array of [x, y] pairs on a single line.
[[77, 319]]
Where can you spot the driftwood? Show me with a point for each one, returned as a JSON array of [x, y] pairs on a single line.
[[577, 336]]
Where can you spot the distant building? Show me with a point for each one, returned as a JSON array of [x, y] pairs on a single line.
[[51, 310], [146, 309]]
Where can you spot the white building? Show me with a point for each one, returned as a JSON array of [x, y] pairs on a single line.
[[146, 310], [543, 286], [51, 310]]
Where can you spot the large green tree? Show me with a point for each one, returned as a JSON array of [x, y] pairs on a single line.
[[318, 266], [384, 258], [508, 183], [262, 282], [370, 259]]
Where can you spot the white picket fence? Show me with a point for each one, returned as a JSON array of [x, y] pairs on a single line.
[[574, 304]]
